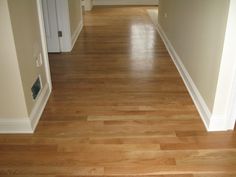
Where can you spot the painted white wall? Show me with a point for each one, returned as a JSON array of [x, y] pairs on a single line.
[[26, 31], [23, 43], [196, 29], [12, 102], [76, 19], [201, 37]]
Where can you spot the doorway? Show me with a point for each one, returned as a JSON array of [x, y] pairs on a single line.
[[62, 26], [51, 25]]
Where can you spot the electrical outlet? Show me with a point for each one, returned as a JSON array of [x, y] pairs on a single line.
[[39, 60]]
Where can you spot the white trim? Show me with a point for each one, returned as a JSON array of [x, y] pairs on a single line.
[[88, 5], [64, 25], [27, 125], [217, 123], [194, 93], [44, 44], [232, 109], [39, 106], [225, 100], [124, 2], [77, 33], [82, 3], [223, 115], [13, 125]]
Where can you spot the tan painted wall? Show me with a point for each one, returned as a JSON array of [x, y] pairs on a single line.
[[12, 104], [75, 15], [196, 29], [25, 24]]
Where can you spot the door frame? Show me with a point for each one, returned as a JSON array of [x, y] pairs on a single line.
[[231, 39], [63, 22], [65, 42], [64, 25], [225, 100], [44, 43], [232, 109]]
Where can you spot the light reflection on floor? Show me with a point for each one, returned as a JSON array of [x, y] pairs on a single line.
[[142, 39]]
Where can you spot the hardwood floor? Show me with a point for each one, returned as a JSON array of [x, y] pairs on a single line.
[[118, 108]]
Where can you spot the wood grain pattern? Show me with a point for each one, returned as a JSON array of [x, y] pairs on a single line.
[[118, 108]]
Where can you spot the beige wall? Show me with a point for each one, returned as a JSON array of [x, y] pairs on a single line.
[[26, 30], [12, 104], [75, 15], [196, 29]]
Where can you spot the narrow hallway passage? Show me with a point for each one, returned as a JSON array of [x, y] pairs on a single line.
[[119, 66], [118, 107]]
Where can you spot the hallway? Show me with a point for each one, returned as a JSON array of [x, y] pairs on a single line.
[[118, 107], [119, 66]]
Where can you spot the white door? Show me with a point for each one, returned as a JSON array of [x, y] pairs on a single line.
[[51, 25]]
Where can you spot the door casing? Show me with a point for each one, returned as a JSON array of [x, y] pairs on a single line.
[[57, 19]]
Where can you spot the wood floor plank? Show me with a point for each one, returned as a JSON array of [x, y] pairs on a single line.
[[118, 108]]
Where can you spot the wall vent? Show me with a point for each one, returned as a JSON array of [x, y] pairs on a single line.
[[36, 88]]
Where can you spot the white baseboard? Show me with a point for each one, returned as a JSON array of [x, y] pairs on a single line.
[[14, 125], [26, 124], [217, 123], [76, 33], [124, 2], [194, 92], [39, 106], [88, 5]]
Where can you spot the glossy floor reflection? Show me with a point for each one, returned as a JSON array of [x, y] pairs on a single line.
[[118, 108]]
